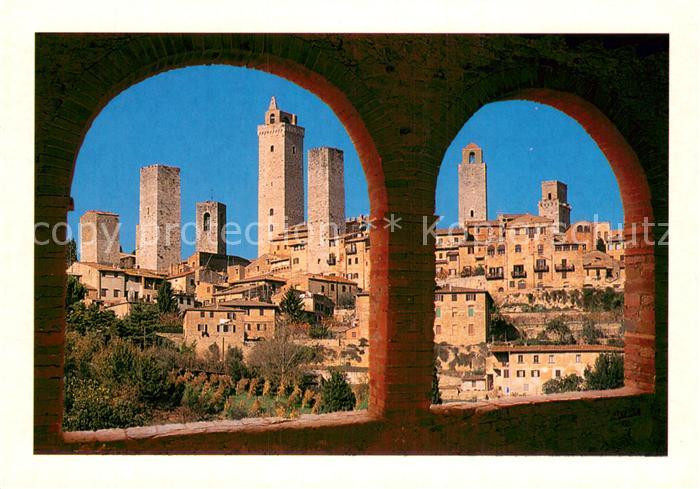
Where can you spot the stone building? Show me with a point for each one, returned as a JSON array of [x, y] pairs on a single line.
[[211, 219], [213, 329], [461, 315], [522, 369], [99, 238], [280, 174], [158, 231], [326, 206], [554, 204], [472, 185]]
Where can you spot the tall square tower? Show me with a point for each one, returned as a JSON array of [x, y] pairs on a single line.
[[280, 174], [211, 219], [99, 238], [158, 231], [472, 185], [326, 205], [554, 205]]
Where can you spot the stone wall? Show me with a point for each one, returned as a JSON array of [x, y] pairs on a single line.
[[99, 238], [472, 186], [211, 219]]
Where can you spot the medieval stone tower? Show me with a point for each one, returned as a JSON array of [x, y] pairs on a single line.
[[211, 219], [280, 174], [472, 185], [99, 238], [158, 231], [326, 205], [554, 205]]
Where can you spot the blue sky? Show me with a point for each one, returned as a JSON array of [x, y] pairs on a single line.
[[204, 120]]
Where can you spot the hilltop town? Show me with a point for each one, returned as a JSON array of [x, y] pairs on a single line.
[[503, 286]]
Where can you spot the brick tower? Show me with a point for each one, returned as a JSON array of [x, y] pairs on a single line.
[[158, 231], [280, 174], [99, 238], [326, 205], [211, 219], [554, 205], [472, 185]]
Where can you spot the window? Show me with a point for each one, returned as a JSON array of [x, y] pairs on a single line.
[[201, 314], [472, 159], [534, 373], [103, 292], [272, 118], [272, 149], [551, 358], [211, 314], [454, 312], [520, 373], [520, 359], [506, 374], [272, 212], [501, 250], [262, 312], [490, 251], [517, 231], [454, 297], [470, 311], [518, 248], [578, 358], [437, 312], [294, 150], [557, 373], [535, 359], [438, 329], [470, 330], [540, 249], [206, 221], [116, 292]]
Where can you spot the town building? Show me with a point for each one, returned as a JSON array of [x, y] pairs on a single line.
[[462, 315], [99, 238]]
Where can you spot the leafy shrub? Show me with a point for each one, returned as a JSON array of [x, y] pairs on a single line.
[[557, 332], [319, 331], [235, 410], [590, 333], [93, 406], [564, 384]]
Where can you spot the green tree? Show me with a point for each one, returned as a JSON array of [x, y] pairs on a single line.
[[557, 332], [608, 372], [71, 252], [140, 325], [435, 397], [565, 384], [336, 393], [75, 291], [166, 299], [234, 364], [90, 319], [590, 333], [500, 329], [291, 306], [319, 331]]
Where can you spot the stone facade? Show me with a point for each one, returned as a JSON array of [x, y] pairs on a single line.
[[554, 204], [158, 231], [280, 174], [461, 316], [326, 206], [472, 185], [99, 238], [211, 219]]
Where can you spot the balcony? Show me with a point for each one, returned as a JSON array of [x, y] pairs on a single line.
[[518, 274], [564, 267], [494, 275], [541, 268]]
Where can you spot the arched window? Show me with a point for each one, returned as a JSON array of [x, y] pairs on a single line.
[[491, 251], [272, 118], [579, 228], [206, 221], [518, 248], [472, 157], [471, 213], [272, 149], [501, 250], [272, 212]]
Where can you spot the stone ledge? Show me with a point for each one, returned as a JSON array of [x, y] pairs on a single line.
[[247, 425], [480, 407]]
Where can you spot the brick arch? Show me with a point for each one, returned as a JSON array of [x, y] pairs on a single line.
[[640, 289], [70, 124]]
